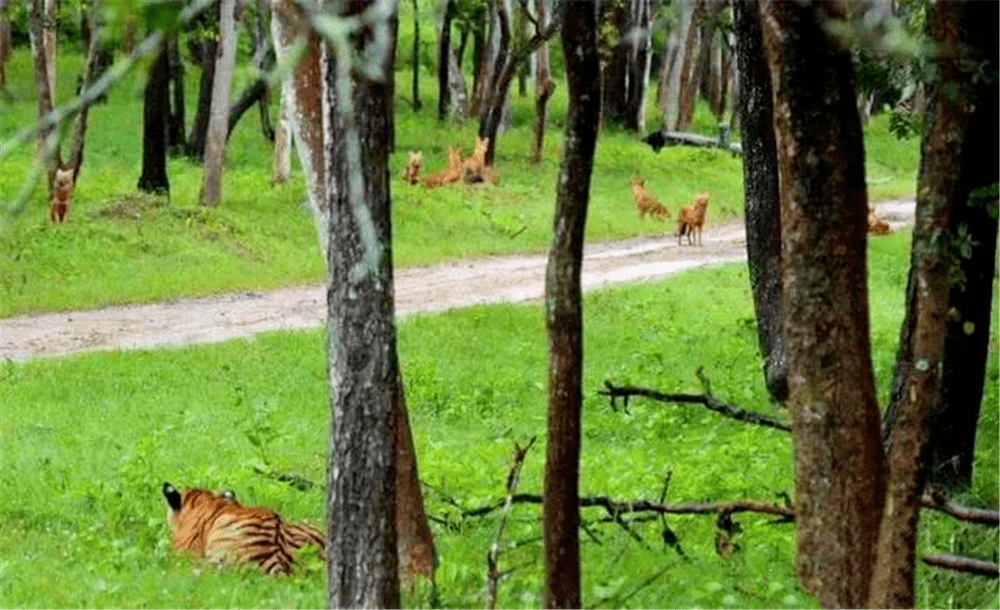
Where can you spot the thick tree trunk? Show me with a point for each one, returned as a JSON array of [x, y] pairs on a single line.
[[154, 130], [444, 58], [839, 464], [563, 312], [215, 141], [928, 311], [760, 186], [544, 86], [362, 564]]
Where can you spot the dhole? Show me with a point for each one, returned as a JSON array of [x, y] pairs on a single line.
[[645, 203], [450, 174], [62, 192], [877, 225], [412, 172], [476, 169], [691, 218]]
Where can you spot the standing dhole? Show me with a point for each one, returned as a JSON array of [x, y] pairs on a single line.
[[62, 192], [692, 218]]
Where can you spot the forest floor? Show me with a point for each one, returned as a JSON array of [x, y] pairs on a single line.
[[437, 287]]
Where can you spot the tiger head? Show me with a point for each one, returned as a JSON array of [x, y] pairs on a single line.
[[188, 514]]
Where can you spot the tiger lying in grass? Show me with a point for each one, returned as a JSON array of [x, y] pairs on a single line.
[[222, 530], [644, 202], [691, 218]]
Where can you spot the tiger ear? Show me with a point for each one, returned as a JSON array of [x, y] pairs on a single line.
[[172, 496], [229, 495]]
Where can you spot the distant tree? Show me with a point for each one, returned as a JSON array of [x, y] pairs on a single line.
[[444, 58], [176, 119], [839, 464], [204, 47], [215, 143], [417, 104], [6, 47], [564, 318], [544, 85], [155, 116], [760, 188], [626, 27]]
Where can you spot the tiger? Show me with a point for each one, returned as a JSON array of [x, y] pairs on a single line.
[[450, 174], [222, 530], [877, 225], [62, 191], [412, 173], [692, 217], [644, 202], [475, 169]]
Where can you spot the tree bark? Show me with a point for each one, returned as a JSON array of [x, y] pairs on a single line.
[[6, 47], [282, 162], [154, 130], [177, 111], [417, 104], [638, 38], [444, 58], [563, 312], [51, 49], [215, 141], [927, 304], [839, 464], [614, 26], [207, 51], [36, 29], [362, 564], [687, 83], [544, 86], [760, 187]]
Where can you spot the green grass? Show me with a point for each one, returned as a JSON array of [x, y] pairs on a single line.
[[120, 247], [87, 441]]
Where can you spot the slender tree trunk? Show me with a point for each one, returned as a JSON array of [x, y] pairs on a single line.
[[177, 112], [89, 74], [6, 47], [444, 57], [544, 85], [417, 104], [215, 143], [687, 82], [154, 130], [362, 564], [282, 163], [760, 185], [638, 37], [839, 464], [36, 29], [208, 49], [51, 49], [614, 19], [564, 317]]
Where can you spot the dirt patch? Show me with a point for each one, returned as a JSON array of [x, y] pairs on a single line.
[[421, 289]]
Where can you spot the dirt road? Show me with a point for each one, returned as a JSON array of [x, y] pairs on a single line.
[[438, 287]]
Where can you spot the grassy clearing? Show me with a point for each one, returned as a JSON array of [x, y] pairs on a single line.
[[87, 441], [120, 247]]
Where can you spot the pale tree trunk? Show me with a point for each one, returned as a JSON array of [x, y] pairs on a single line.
[[762, 203], [544, 85], [668, 80], [638, 38], [839, 464], [927, 313], [282, 162], [361, 555], [305, 112], [687, 84], [564, 317], [218, 122], [36, 30], [51, 48]]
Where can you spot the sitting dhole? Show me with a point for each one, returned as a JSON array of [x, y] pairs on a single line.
[[476, 170], [412, 172], [450, 174], [877, 225], [62, 192], [644, 202], [691, 218]]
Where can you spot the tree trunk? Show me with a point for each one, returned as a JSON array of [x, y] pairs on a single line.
[[544, 85], [51, 49], [362, 564], [36, 29], [615, 24], [687, 84], [207, 51], [760, 187], [215, 142], [6, 47], [177, 112], [282, 163], [154, 127], [638, 65], [927, 311], [444, 58], [90, 70], [563, 312], [482, 54], [417, 104], [839, 464]]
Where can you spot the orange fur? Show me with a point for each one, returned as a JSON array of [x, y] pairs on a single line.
[[476, 169], [877, 225], [692, 218], [62, 193], [221, 529], [412, 172], [645, 203], [450, 174]]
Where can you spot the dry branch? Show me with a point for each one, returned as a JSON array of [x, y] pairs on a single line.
[[707, 400], [983, 516], [494, 574], [963, 564]]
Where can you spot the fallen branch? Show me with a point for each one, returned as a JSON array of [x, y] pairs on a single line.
[[707, 400], [963, 564], [983, 516], [494, 574]]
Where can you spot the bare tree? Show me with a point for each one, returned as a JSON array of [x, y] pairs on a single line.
[[218, 122], [564, 318], [760, 185], [544, 85], [839, 464], [154, 127]]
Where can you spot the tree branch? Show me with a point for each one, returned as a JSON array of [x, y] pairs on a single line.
[[494, 575], [707, 400], [983, 516], [963, 564]]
